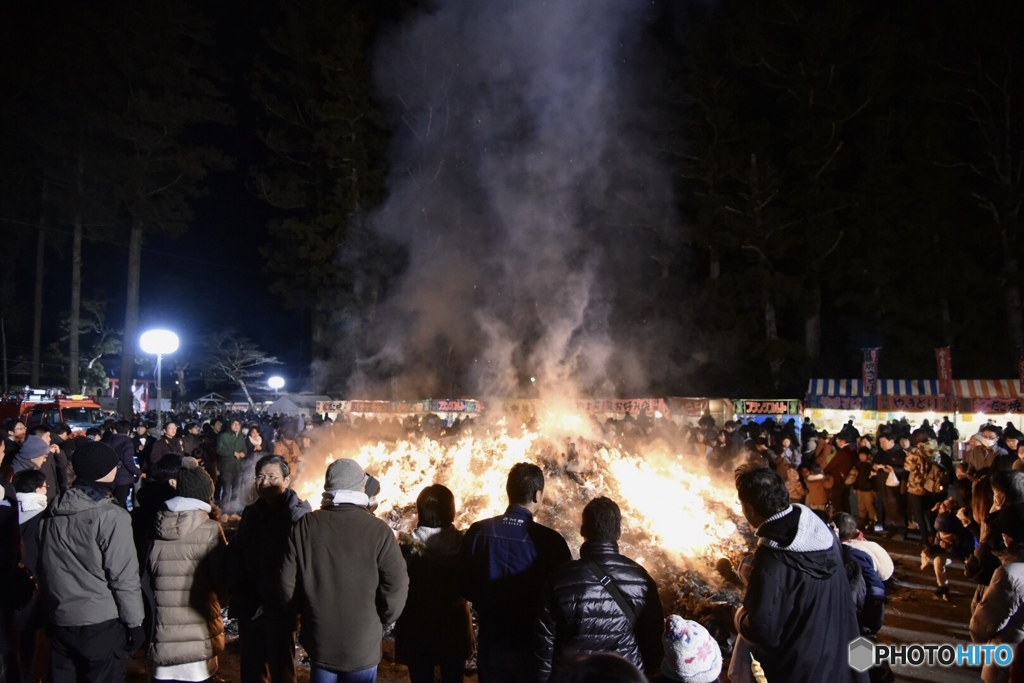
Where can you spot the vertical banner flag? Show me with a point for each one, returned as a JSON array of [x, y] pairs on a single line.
[[869, 370], [944, 361], [1020, 367]]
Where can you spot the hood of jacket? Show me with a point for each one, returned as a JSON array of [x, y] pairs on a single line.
[[79, 499], [182, 517], [30, 505], [428, 540], [802, 541]]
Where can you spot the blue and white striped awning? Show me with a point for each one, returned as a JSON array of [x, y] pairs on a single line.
[[908, 387], [834, 387]]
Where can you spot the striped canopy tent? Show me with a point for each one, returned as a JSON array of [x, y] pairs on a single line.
[[838, 394], [913, 396], [989, 396]]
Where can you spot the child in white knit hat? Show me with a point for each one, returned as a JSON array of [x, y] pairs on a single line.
[[691, 654]]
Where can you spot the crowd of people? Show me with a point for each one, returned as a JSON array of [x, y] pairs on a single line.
[[115, 542]]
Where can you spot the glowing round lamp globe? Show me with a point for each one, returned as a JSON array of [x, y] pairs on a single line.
[[275, 382], [158, 342]]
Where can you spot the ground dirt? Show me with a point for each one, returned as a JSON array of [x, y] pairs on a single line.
[[913, 616]]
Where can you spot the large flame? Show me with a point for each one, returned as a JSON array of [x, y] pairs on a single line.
[[674, 513]]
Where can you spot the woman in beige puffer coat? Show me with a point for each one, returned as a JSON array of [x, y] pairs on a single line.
[[187, 576]]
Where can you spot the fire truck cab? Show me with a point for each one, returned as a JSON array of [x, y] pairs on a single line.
[[79, 413], [35, 407]]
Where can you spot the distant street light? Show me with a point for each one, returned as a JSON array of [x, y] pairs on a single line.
[[276, 382], [158, 342]]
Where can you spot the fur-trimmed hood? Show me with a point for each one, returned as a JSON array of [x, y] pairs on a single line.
[[424, 541]]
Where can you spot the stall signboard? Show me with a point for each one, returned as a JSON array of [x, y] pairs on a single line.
[[916, 404], [992, 406], [689, 406], [788, 406], [522, 406], [634, 406], [853, 403], [401, 407]]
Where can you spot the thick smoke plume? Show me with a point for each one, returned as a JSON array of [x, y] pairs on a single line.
[[524, 186]]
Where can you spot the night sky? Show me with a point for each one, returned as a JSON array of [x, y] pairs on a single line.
[[625, 198]]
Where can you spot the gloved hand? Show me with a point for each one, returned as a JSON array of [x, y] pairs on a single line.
[[136, 637]]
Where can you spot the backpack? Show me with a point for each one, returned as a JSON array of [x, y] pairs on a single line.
[[934, 478]]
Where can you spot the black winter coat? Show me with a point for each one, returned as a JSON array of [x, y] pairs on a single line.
[[797, 612], [257, 551], [578, 614], [435, 625], [128, 471]]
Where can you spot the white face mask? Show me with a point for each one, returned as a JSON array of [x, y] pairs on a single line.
[[989, 442]]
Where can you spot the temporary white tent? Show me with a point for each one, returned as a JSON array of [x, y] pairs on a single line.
[[296, 404]]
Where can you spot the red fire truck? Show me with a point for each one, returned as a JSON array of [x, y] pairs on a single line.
[[37, 406]]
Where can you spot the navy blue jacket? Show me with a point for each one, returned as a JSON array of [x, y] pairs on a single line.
[[876, 588], [503, 565], [128, 468]]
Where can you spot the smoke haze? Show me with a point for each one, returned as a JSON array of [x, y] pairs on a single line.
[[524, 185]]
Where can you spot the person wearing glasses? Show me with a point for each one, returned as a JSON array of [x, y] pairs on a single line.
[[266, 629]]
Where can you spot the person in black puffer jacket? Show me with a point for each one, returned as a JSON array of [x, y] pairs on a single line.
[[579, 614]]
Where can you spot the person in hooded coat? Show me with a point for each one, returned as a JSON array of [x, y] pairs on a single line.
[[90, 574], [185, 570], [797, 614], [435, 627]]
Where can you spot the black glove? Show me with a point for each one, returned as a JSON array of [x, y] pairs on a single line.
[[136, 637]]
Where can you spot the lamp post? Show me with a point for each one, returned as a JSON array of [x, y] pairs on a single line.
[[275, 383], [158, 342]]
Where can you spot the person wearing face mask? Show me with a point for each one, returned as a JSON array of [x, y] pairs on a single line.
[[266, 629], [90, 573], [988, 455]]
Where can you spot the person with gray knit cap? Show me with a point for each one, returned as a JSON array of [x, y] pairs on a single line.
[[185, 569], [90, 571], [36, 454], [344, 569]]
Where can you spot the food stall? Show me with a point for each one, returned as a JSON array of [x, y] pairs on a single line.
[[981, 401], [831, 403]]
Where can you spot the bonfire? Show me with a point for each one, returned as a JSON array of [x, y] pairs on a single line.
[[679, 520]]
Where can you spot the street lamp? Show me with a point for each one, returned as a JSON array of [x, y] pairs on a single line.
[[158, 342], [275, 383]]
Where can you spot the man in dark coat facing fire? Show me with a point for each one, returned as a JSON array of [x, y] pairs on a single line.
[[602, 602], [797, 613], [504, 563]]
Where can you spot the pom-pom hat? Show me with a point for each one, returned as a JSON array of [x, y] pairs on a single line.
[[193, 481], [691, 654]]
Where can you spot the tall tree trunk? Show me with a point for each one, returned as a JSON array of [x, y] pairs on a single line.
[[1011, 273], [771, 329], [37, 305], [76, 283], [131, 323], [321, 351], [245, 390], [947, 321], [812, 327]]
